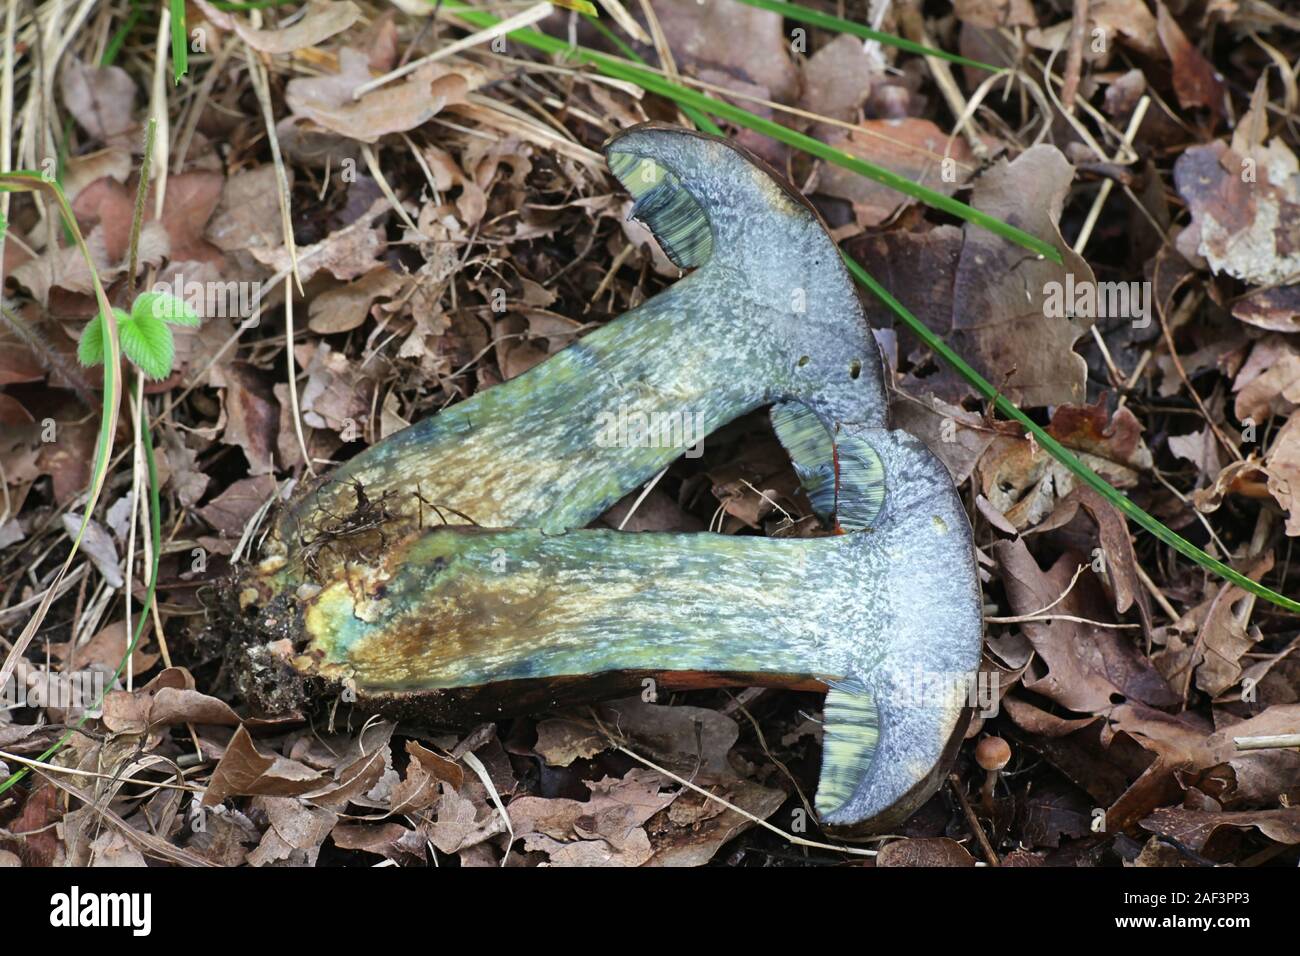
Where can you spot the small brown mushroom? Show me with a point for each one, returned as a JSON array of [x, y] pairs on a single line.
[[992, 754]]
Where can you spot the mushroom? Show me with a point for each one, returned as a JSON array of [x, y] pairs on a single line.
[[446, 621], [992, 754], [768, 315]]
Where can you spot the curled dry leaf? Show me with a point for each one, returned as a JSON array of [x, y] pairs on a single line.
[[1195, 80], [1210, 639], [607, 830], [168, 699], [561, 742], [1282, 463], [1196, 828], [345, 308], [189, 203], [363, 774], [240, 220], [101, 99], [105, 651], [1108, 20], [419, 788], [395, 108], [252, 415], [1120, 560], [956, 436], [225, 837], [321, 21], [79, 172], [64, 267], [295, 834], [836, 81], [1086, 665], [996, 13], [1208, 759], [390, 840], [245, 771], [471, 204], [732, 39], [106, 201], [231, 510], [346, 254], [1024, 482], [178, 468], [1128, 20], [337, 395]]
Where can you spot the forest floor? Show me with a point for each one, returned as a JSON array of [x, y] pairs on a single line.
[[453, 224]]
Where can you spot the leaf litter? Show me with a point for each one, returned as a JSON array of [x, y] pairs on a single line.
[[451, 227]]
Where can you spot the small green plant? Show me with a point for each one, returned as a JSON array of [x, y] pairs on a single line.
[[145, 333], [151, 348]]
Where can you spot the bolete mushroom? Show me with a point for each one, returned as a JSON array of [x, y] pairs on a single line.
[[445, 621]]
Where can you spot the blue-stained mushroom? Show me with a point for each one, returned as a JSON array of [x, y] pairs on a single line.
[[524, 611]]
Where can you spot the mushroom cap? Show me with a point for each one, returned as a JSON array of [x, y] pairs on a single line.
[[992, 753]]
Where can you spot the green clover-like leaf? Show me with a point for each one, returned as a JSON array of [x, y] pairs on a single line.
[[147, 342], [168, 308], [90, 350]]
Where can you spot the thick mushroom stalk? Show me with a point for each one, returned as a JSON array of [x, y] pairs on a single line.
[[496, 622], [769, 314]]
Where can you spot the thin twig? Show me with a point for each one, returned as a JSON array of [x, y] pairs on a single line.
[[972, 821], [1268, 742]]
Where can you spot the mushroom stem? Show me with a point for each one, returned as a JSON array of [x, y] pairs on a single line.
[[768, 315]]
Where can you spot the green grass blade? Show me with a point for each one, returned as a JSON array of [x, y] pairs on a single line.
[[655, 83], [793, 11], [180, 41], [1060, 452], [114, 46]]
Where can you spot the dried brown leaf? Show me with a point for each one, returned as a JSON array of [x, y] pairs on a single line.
[[395, 108], [101, 99], [936, 851], [321, 21], [245, 771]]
